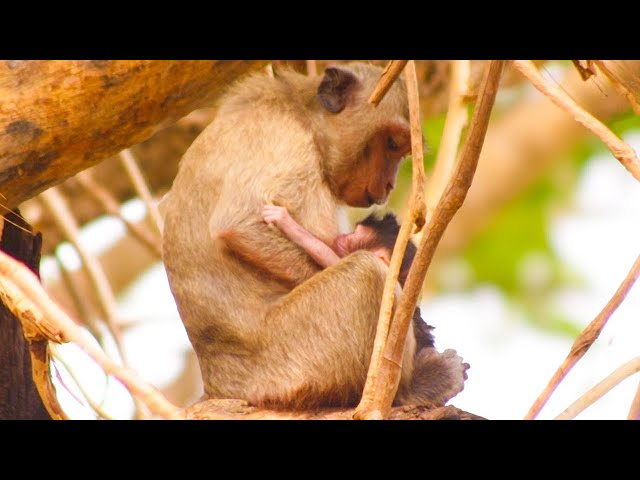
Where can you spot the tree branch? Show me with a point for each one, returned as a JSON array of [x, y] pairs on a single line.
[[42, 319], [585, 340], [391, 72], [450, 202], [623, 152], [416, 216], [626, 370]]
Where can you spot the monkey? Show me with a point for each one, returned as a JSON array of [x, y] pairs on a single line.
[[440, 371], [267, 324], [377, 235]]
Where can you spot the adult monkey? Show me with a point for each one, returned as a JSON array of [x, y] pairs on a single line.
[[309, 144]]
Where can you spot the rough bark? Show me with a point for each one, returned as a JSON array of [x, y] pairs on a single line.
[[240, 410], [19, 398], [61, 117]]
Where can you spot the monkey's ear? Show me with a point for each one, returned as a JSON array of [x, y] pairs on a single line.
[[335, 88]]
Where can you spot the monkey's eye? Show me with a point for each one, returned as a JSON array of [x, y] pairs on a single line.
[[391, 144]]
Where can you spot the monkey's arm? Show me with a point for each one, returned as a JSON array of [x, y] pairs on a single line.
[[274, 256], [316, 248]]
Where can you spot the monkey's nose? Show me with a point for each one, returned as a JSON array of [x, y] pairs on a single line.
[[389, 187]]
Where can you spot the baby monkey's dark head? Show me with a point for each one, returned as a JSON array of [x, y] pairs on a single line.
[[377, 235]]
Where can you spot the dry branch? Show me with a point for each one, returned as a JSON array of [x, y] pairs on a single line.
[[626, 370], [42, 319], [450, 202], [455, 122], [112, 207], [57, 207], [619, 85], [634, 411], [137, 179], [416, 217], [61, 117], [391, 72], [585, 340], [623, 152]]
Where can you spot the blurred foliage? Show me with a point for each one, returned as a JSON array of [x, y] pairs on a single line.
[[515, 245]]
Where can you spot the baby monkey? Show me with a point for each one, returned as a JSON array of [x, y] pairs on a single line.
[[377, 236]]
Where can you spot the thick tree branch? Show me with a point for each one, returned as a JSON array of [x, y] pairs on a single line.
[[62, 116], [585, 340]]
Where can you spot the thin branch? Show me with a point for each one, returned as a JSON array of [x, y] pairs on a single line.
[[585, 340], [80, 301], [626, 370], [634, 411], [391, 72], [312, 68], [623, 152], [53, 201], [619, 85], [415, 217], [111, 206], [42, 319], [452, 199], [455, 122], [139, 183], [94, 405]]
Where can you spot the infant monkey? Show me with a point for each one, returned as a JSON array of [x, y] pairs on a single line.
[[378, 236]]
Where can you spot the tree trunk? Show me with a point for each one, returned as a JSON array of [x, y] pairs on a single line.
[[19, 398]]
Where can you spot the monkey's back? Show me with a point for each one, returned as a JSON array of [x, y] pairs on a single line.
[[253, 153]]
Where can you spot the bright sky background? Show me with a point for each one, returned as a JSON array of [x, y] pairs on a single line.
[[511, 361]]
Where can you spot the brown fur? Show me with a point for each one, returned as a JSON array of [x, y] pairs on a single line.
[[273, 141]]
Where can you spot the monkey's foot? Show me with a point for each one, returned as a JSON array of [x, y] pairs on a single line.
[[438, 377]]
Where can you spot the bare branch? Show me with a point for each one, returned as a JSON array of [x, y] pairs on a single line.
[[455, 122], [585, 340], [623, 152], [312, 68], [626, 370], [42, 319], [391, 72], [416, 216], [112, 207], [619, 85], [450, 202], [634, 411], [139, 183]]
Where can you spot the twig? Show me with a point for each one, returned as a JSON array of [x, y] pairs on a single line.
[[94, 405], [455, 122], [57, 207], [634, 411], [79, 301], [312, 68], [139, 183], [600, 389], [585, 340], [619, 85], [112, 207], [452, 199], [42, 319], [391, 72], [415, 217], [623, 152]]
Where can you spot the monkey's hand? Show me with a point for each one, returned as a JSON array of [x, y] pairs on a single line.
[[278, 216]]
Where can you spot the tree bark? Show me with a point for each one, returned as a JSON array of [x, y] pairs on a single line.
[[60, 117], [19, 398]]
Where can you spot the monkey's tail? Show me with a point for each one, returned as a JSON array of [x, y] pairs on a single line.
[[437, 378]]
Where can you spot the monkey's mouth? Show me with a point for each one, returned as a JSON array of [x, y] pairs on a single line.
[[371, 200]]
